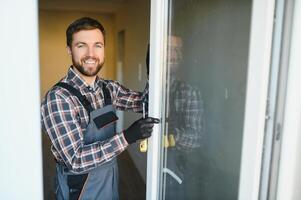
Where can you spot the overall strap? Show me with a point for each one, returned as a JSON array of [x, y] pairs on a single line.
[[106, 94], [83, 99]]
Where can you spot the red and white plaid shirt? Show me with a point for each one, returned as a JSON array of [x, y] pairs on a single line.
[[64, 120]]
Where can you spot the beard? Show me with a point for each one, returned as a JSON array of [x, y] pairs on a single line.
[[87, 71]]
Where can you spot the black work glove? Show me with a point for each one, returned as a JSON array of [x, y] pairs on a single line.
[[140, 129]]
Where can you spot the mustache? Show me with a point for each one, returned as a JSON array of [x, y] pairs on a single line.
[[89, 57]]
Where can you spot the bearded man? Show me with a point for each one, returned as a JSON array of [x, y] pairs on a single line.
[[78, 115]]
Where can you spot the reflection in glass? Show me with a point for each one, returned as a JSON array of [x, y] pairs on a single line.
[[207, 55], [184, 127]]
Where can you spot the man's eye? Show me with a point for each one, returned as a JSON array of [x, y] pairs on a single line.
[[80, 45], [99, 46]]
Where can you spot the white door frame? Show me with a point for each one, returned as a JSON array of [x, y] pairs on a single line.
[[158, 27], [255, 107], [290, 158], [259, 63]]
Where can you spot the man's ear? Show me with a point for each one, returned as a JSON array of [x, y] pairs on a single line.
[[68, 50]]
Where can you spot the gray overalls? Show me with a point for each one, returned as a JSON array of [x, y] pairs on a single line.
[[100, 183]]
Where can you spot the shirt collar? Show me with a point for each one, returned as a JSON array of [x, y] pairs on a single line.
[[74, 79]]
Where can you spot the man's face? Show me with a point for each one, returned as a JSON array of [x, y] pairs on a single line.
[[87, 51]]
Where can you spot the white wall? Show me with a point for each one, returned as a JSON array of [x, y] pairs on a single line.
[[20, 144]]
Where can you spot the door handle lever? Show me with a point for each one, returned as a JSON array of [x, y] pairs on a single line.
[[172, 174]]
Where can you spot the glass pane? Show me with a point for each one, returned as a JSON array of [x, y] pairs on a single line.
[[206, 71]]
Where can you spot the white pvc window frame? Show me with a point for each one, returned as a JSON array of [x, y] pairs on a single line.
[[290, 158], [260, 49], [255, 108], [158, 27]]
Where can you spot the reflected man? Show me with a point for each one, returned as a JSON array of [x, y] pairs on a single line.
[[184, 128]]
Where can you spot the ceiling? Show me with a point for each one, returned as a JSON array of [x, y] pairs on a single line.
[[103, 6]]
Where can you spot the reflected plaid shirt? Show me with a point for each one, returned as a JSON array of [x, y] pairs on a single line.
[[186, 113], [64, 119]]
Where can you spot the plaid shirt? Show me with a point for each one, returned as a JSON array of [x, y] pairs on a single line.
[[186, 115], [64, 119]]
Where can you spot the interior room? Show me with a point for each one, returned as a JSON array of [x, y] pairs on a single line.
[[127, 35]]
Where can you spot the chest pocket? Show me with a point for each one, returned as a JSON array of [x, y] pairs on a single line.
[[102, 121]]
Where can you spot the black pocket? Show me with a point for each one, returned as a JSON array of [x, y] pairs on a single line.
[[76, 184], [105, 119]]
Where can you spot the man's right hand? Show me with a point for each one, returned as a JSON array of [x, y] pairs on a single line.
[[140, 129]]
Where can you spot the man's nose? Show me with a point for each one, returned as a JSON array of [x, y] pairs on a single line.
[[90, 52]]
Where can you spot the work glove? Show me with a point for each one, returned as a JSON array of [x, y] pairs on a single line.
[[140, 129]]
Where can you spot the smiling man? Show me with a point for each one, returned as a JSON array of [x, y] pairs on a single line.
[[78, 115], [87, 51]]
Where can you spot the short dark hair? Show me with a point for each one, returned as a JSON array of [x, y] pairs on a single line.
[[85, 23]]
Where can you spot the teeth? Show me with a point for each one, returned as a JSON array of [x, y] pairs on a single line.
[[89, 61]]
